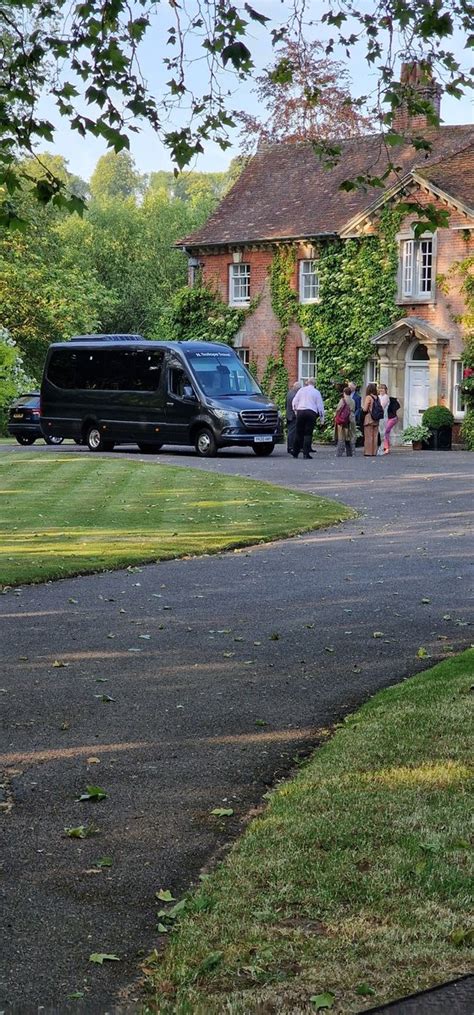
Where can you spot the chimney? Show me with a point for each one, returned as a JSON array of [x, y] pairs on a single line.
[[418, 91]]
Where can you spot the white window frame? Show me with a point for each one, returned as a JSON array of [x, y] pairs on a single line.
[[239, 285], [458, 406], [417, 269], [309, 290], [372, 371], [244, 355], [307, 363]]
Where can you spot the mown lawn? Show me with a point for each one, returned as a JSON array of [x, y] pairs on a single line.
[[65, 514], [353, 887]]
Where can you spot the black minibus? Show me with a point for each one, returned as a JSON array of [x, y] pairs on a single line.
[[104, 390]]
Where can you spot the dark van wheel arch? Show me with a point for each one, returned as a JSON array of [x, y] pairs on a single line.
[[95, 440], [205, 443], [262, 450], [25, 438]]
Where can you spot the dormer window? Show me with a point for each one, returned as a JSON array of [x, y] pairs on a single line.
[[309, 282], [416, 269]]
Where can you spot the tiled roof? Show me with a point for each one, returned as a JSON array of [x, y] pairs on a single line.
[[454, 175], [285, 192]]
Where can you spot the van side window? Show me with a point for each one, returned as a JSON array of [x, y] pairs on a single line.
[[106, 370], [178, 382]]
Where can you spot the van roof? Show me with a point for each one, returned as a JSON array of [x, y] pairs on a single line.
[[98, 341]]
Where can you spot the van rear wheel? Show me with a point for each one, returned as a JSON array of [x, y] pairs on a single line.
[[96, 442], [206, 446], [25, 438], [263, 450]]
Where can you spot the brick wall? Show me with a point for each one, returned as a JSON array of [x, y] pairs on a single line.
[[451, 245]]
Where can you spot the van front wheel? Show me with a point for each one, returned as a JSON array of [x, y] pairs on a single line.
[[95, 440], [263, 450], [206, 446]]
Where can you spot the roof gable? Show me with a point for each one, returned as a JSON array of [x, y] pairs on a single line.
[[285, 192]]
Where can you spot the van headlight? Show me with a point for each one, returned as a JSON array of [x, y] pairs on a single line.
[[226, 415]]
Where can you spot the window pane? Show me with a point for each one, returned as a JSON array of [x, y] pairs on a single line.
[[240, 283], [244, 355], [306, 363], [309, 281], [408, 268], [425, 265], [459, 406]]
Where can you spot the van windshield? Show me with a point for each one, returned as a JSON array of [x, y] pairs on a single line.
[[222, 373]]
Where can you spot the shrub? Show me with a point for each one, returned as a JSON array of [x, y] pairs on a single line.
[[437, 416], [420, 432], [467, 429], [13, 379]]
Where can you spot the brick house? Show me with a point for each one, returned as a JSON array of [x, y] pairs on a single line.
[[285, 197]]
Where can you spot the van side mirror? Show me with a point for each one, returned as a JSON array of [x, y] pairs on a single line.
[[189, 393]]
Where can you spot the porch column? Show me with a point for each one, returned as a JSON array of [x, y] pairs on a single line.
[[435, 361], [385, 364]]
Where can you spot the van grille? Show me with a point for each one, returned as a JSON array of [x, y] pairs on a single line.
[[264, 420]]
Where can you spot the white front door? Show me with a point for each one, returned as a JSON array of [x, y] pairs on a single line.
[[418, 394]]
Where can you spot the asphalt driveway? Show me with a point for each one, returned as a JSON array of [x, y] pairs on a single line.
[[220, 670]]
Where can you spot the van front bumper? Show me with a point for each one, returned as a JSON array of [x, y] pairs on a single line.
[[238, 439]]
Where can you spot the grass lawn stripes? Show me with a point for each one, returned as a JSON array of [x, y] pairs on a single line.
[[353, 887], [65, 515]]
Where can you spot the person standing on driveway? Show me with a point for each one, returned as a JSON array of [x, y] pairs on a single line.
[[384, 400], [371, 426], [345, 424], [291, 416], [392, 420], [308, 405]]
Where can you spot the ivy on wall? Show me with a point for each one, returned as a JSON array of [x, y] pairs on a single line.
[[199, 314], [465, 269], [358, 289]]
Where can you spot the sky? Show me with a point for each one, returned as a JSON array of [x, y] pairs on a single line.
[[147, 150]]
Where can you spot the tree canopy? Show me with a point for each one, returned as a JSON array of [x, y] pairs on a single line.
[[304, 96], [87, 57]]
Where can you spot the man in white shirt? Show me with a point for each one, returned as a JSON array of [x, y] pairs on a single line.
[[308, 405]]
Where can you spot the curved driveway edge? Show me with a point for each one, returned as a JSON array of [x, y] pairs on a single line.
[[220, 670]]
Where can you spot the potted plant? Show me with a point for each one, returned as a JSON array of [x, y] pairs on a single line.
[[416, 436], [439, 421]]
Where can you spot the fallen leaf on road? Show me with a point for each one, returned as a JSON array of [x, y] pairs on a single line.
[[422, 653], [164, 895], [378, 634], [81, 831], [58, 662], [101, 957], [222, 812], [93, 793]]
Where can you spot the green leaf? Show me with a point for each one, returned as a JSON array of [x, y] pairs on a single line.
[[261, 722], [222, 812], [100, 957], [81, 831], [321, 1001], [164, 895], [365, 990], [104, 861], [76, 995], [93, 793], [462, 937], [422, 653]]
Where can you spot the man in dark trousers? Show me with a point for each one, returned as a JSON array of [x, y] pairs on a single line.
[[291, 416], [308, 405]]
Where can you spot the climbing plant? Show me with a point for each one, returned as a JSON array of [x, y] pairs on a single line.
[[199, 314], [358, 291]]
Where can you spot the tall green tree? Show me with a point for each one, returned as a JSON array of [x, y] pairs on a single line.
[[115, 178]]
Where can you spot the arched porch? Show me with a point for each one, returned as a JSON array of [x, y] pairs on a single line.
[[411, 354]]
